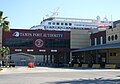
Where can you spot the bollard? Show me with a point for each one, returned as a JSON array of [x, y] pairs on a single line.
[[30, 65]]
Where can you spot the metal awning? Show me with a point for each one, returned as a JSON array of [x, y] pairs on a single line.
[[98, 47]]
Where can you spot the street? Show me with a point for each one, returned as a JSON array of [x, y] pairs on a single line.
[[45, 75]]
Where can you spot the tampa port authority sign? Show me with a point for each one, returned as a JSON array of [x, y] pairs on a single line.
[[39, 43]]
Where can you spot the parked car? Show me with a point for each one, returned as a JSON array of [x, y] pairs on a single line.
[[11, 64]]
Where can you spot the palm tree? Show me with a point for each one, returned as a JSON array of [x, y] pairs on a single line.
[[3, 52], [4, 25]]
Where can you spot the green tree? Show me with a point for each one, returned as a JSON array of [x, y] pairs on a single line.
[[3, 52], [3, 23]]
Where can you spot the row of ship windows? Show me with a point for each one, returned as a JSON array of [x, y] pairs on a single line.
[[112, 37], [57, 23], [65, 27]]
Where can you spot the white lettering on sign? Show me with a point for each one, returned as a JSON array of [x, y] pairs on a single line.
[[18, 34], [25, 34], [53, 35], [37, 34]]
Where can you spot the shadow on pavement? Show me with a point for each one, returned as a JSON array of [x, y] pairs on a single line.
[[1, 69], [89, 81]]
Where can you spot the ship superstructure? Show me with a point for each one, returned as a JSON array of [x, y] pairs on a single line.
[[66, 24]]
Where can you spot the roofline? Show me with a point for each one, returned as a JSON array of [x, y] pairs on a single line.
[[99, 47]]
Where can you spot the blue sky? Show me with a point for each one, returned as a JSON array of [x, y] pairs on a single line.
[[26, 13]]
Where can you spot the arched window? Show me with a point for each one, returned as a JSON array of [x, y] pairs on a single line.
[[108, 38], [116, 37], [112, 37]]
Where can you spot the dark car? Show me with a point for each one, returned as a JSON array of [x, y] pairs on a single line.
[[11, 64]]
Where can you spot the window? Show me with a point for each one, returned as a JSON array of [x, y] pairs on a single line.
[[104, 39], [98, 40], [110, 54], [108, 38], [92, 41], [57, 43], [53, 23], [44, 26], [116, 37], [49, 23], [57, 23], [113, 54], [61, 23], [66, 23], [66, 27], [19, 42], [70, 24], [112, 37]]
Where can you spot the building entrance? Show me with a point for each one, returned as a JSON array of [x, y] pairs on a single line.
[[21, 59], [40, 59], [55, 59]]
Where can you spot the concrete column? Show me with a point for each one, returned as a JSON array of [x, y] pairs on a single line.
[[95, 41], [70, 56], [107, 56], [101, 40], [90, 42], [47, 59], [52, 59]]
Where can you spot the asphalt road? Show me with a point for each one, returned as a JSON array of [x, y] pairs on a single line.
[[45, 75]]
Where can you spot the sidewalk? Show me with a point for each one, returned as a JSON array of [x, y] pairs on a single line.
[[25, 69]]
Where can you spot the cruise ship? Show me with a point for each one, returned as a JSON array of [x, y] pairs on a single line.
[[66, 24]]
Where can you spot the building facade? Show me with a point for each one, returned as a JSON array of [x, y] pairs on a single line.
[[104, 48], [79, 38], [113, 34], [98, 38], [48, 47]]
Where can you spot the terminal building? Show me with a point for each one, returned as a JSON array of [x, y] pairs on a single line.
[[48, 47], [43, 46], [58, 42]]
